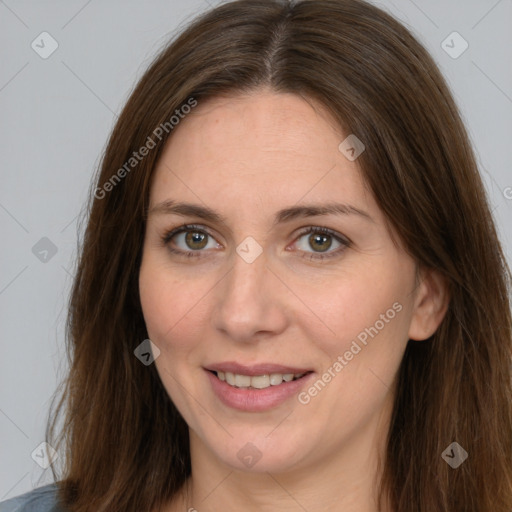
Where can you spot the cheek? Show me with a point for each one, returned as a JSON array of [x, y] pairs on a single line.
[[159, 300], [173, 312], [155, 303], [173, 307], [348, 305], [366, 315]]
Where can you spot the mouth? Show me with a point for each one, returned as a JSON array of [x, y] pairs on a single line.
[[241, 381], [257, 392]]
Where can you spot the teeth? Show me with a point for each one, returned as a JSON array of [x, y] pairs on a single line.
[[276, 378], [242, 381], [258, 381]]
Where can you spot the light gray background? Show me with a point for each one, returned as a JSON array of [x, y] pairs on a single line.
[[56, 114]]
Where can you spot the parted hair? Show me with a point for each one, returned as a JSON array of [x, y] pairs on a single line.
[[125, 445]]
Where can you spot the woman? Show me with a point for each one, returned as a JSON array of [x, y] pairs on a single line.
[[290, 294]]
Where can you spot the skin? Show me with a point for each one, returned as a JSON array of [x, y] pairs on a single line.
[[246, 157]]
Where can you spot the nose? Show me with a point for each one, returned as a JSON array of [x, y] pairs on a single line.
[[250, 301]]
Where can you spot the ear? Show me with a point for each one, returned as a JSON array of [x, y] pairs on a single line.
[[430, 304]]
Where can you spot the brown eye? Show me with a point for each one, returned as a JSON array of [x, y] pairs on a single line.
[[320, 242], [189, 240], [196, 240]]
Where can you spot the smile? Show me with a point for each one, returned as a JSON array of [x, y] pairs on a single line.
[[257, 381], [256, 393]]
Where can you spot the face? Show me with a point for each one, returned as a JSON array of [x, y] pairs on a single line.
[[260, 272]]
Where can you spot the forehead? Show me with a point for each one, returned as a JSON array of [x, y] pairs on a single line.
[[257, 148]]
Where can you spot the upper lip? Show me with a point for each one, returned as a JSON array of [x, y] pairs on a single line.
[[255, 369]]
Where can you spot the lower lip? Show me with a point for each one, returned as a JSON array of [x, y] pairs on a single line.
[[256, 400]]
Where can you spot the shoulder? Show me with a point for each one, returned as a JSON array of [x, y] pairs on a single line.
[[42, 499]]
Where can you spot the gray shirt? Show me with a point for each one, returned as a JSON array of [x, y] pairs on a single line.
[[42, 499]]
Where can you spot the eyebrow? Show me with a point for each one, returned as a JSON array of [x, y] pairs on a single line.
[[170, 207]]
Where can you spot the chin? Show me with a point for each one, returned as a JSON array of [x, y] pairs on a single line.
[[259, 454]]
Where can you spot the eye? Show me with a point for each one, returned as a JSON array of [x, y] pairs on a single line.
[[321, 239], [190, 239]]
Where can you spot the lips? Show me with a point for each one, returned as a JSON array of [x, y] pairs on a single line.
[[249, 399], [256, 369]]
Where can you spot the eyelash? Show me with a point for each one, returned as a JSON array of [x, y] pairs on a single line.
[[168, 235]]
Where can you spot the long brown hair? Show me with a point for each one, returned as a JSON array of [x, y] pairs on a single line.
[[125, 445]]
